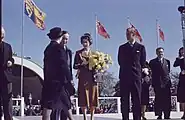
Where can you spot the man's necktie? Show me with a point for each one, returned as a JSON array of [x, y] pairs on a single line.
[[131, 45]]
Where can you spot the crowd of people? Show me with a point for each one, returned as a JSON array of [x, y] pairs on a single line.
[[34, 110], [135, 75]]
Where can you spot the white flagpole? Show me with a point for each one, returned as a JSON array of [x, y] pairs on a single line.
[[22, 53], [96, 33], [128, 20], [1, 14], [157, 32], [184, 37]]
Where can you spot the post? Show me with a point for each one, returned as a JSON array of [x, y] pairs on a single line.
[[77, 107], [128, 20], [181, 9], [22, 70], [119, 105], [157, 32], [22, 106], [1, 13], [183, 17], [178, 106], [96, 33]]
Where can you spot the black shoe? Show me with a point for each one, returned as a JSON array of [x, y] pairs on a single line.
[[143, 118], [183, 117], [160, 117], [167, 118]]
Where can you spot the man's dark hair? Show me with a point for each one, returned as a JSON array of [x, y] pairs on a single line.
[[64, 32], [159, 48], [180, 52]]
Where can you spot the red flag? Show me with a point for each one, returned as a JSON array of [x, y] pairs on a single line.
[[161, 33], [101, 30], [137, 32]]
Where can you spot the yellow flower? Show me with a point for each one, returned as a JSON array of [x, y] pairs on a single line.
[[90, 67], [99, 61], [98, 67], [97, 52], [102, 70], [106, 66]]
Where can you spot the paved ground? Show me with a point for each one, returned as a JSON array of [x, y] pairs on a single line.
[[150, 116], [75, 118]]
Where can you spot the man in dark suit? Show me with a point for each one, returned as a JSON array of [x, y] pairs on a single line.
[[161, 83], [6, 62], [131, 58], [57, 75]]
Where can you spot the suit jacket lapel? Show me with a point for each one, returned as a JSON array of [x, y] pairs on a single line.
[[158, 64], [69, 55], [134, 48], [164, 64], [127, 45], [129, 48], [4, 52]]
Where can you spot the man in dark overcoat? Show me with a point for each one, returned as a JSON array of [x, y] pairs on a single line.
[[59, 113], [57, 75], [6, 62]]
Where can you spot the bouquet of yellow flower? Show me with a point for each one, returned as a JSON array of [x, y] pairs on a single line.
[[99, 61]]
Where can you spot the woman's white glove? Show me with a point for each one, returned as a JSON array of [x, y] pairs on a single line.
[[9, 64], [183, 72], [146, 71]]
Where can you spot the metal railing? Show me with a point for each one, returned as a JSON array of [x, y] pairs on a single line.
[[21, 104], [101, 100], [175, 104]]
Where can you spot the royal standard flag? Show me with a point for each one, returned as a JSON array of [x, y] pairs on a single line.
[[35, 14]]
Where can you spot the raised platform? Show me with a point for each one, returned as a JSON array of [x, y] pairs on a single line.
[[149, 115]]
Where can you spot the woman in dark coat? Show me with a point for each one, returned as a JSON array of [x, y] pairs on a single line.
[[181, 85], [87, 88], [56, 76], [146, 82]]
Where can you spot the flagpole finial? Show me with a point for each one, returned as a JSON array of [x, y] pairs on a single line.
[[128, 17], [128, 20], [181, 9]]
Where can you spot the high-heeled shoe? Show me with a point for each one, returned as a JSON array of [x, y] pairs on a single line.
[[143, 118], [183, 117]]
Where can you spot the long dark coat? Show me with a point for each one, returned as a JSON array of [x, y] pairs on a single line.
[[5, 82], [5, 56], [57, 74], [181, 84]]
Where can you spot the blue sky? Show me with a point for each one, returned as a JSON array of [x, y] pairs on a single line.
[[78, 16]]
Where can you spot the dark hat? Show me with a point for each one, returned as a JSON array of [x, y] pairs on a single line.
[[181, 9], [86, 36], [55, 33]]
